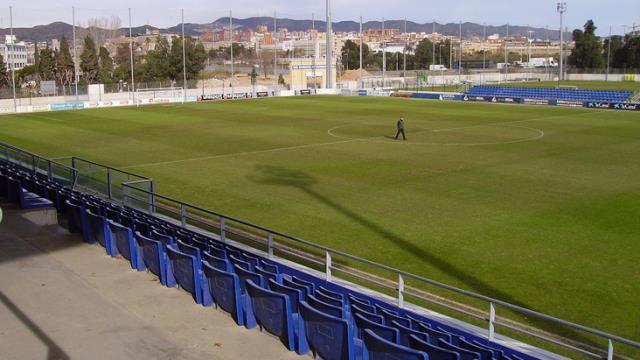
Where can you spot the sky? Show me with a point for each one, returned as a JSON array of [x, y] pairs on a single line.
[[164, 13]]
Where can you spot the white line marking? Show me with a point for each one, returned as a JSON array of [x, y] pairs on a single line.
[[241, 153]]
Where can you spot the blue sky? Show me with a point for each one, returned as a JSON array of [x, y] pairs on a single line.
[[541, 13]]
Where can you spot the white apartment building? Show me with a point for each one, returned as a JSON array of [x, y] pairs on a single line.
[[14, 53]]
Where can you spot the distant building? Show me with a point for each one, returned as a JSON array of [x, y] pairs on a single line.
[[15, 53]]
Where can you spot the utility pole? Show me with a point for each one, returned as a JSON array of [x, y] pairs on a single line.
[[12, 58], [329, 63], [484, 51], [184, 63], [361, 84], [384, 58], [561, 8], [133, 84], [506, 54]]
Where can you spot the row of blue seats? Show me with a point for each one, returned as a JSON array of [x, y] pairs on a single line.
[[306, 314], [551, 94]]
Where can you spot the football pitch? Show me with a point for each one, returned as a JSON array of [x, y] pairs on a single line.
[[532, 205]]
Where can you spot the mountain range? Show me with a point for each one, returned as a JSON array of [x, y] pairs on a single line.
[[56, 29]]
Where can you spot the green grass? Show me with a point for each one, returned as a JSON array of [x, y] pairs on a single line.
[[489, 205], [583, 85]]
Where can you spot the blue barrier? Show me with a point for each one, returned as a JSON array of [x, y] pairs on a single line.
[[66, 106]]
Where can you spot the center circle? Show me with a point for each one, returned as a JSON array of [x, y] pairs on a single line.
[[476, 135]]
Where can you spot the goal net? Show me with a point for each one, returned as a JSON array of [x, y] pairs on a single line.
[[170, 94]]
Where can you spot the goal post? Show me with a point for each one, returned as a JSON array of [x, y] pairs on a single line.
[[160, 95]]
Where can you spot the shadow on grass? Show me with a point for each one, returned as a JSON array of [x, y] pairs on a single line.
[[276, 175]]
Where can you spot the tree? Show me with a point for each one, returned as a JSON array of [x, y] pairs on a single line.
[[588, 49], [4, 74], [351, 58], [106, 66], [89, 63], [195, 57], [65, 68], [281, 80], [423, 54], [36, 62], [47, 67], [443, 50]]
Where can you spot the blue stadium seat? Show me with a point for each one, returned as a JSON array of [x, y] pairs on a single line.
[[311, 286], [295, 295], [405, 332], [356, 309], [217, 262], [464, 354], [225, 291], [272, 312], [122, 242], [327, 336], [184, 270], [385, 332], [485, 354], [153, 256], [326, 308], [434, 335], [302, 288], [390, 316], [434, 352], [377, 348]]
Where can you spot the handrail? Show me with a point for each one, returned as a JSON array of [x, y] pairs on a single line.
[[183, 207], [488, 299]]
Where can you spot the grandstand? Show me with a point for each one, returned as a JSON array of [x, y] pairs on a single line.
[[567, 94], [310, 312]]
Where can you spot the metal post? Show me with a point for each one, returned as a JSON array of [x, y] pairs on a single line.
[[361, 83], [231, 48], [75, 51], [506, 55], [384, 59], [11, 57], [49, 170], [223, 236], [400, 291], [184, 62], [492, 319], [328, 266], [608, 56], [610, 350], [275, 50], [460, 59], [315, 53], [329, 49], [484, 51], [562, 8], [270, 245], [183, 215], [109, 183], [132, 88], [404, 53]]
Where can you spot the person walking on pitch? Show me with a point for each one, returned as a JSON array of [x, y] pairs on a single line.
[[400, 126]]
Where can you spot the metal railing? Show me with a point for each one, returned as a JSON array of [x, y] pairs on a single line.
[[321, 256], [138, 192]]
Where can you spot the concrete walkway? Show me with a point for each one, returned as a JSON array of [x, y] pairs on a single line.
[[63, 299]]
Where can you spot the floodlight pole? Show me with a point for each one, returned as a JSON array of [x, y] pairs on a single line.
[[433, 44], [75, 51], [329, 50], [561, 8], [11, 56], [361, 83], [384, 59], [184, 62], [275, 50], [231, 48], [315, 54], [132, 88], [608, 56], [460, 59], [404, 52], [506, 55]]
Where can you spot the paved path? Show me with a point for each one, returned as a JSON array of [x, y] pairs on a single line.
[[63, 299]]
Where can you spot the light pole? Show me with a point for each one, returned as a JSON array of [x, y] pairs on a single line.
[[361, 84], [561, 8], [608, 56], [11, 58], [329, 62], [384, 58]]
